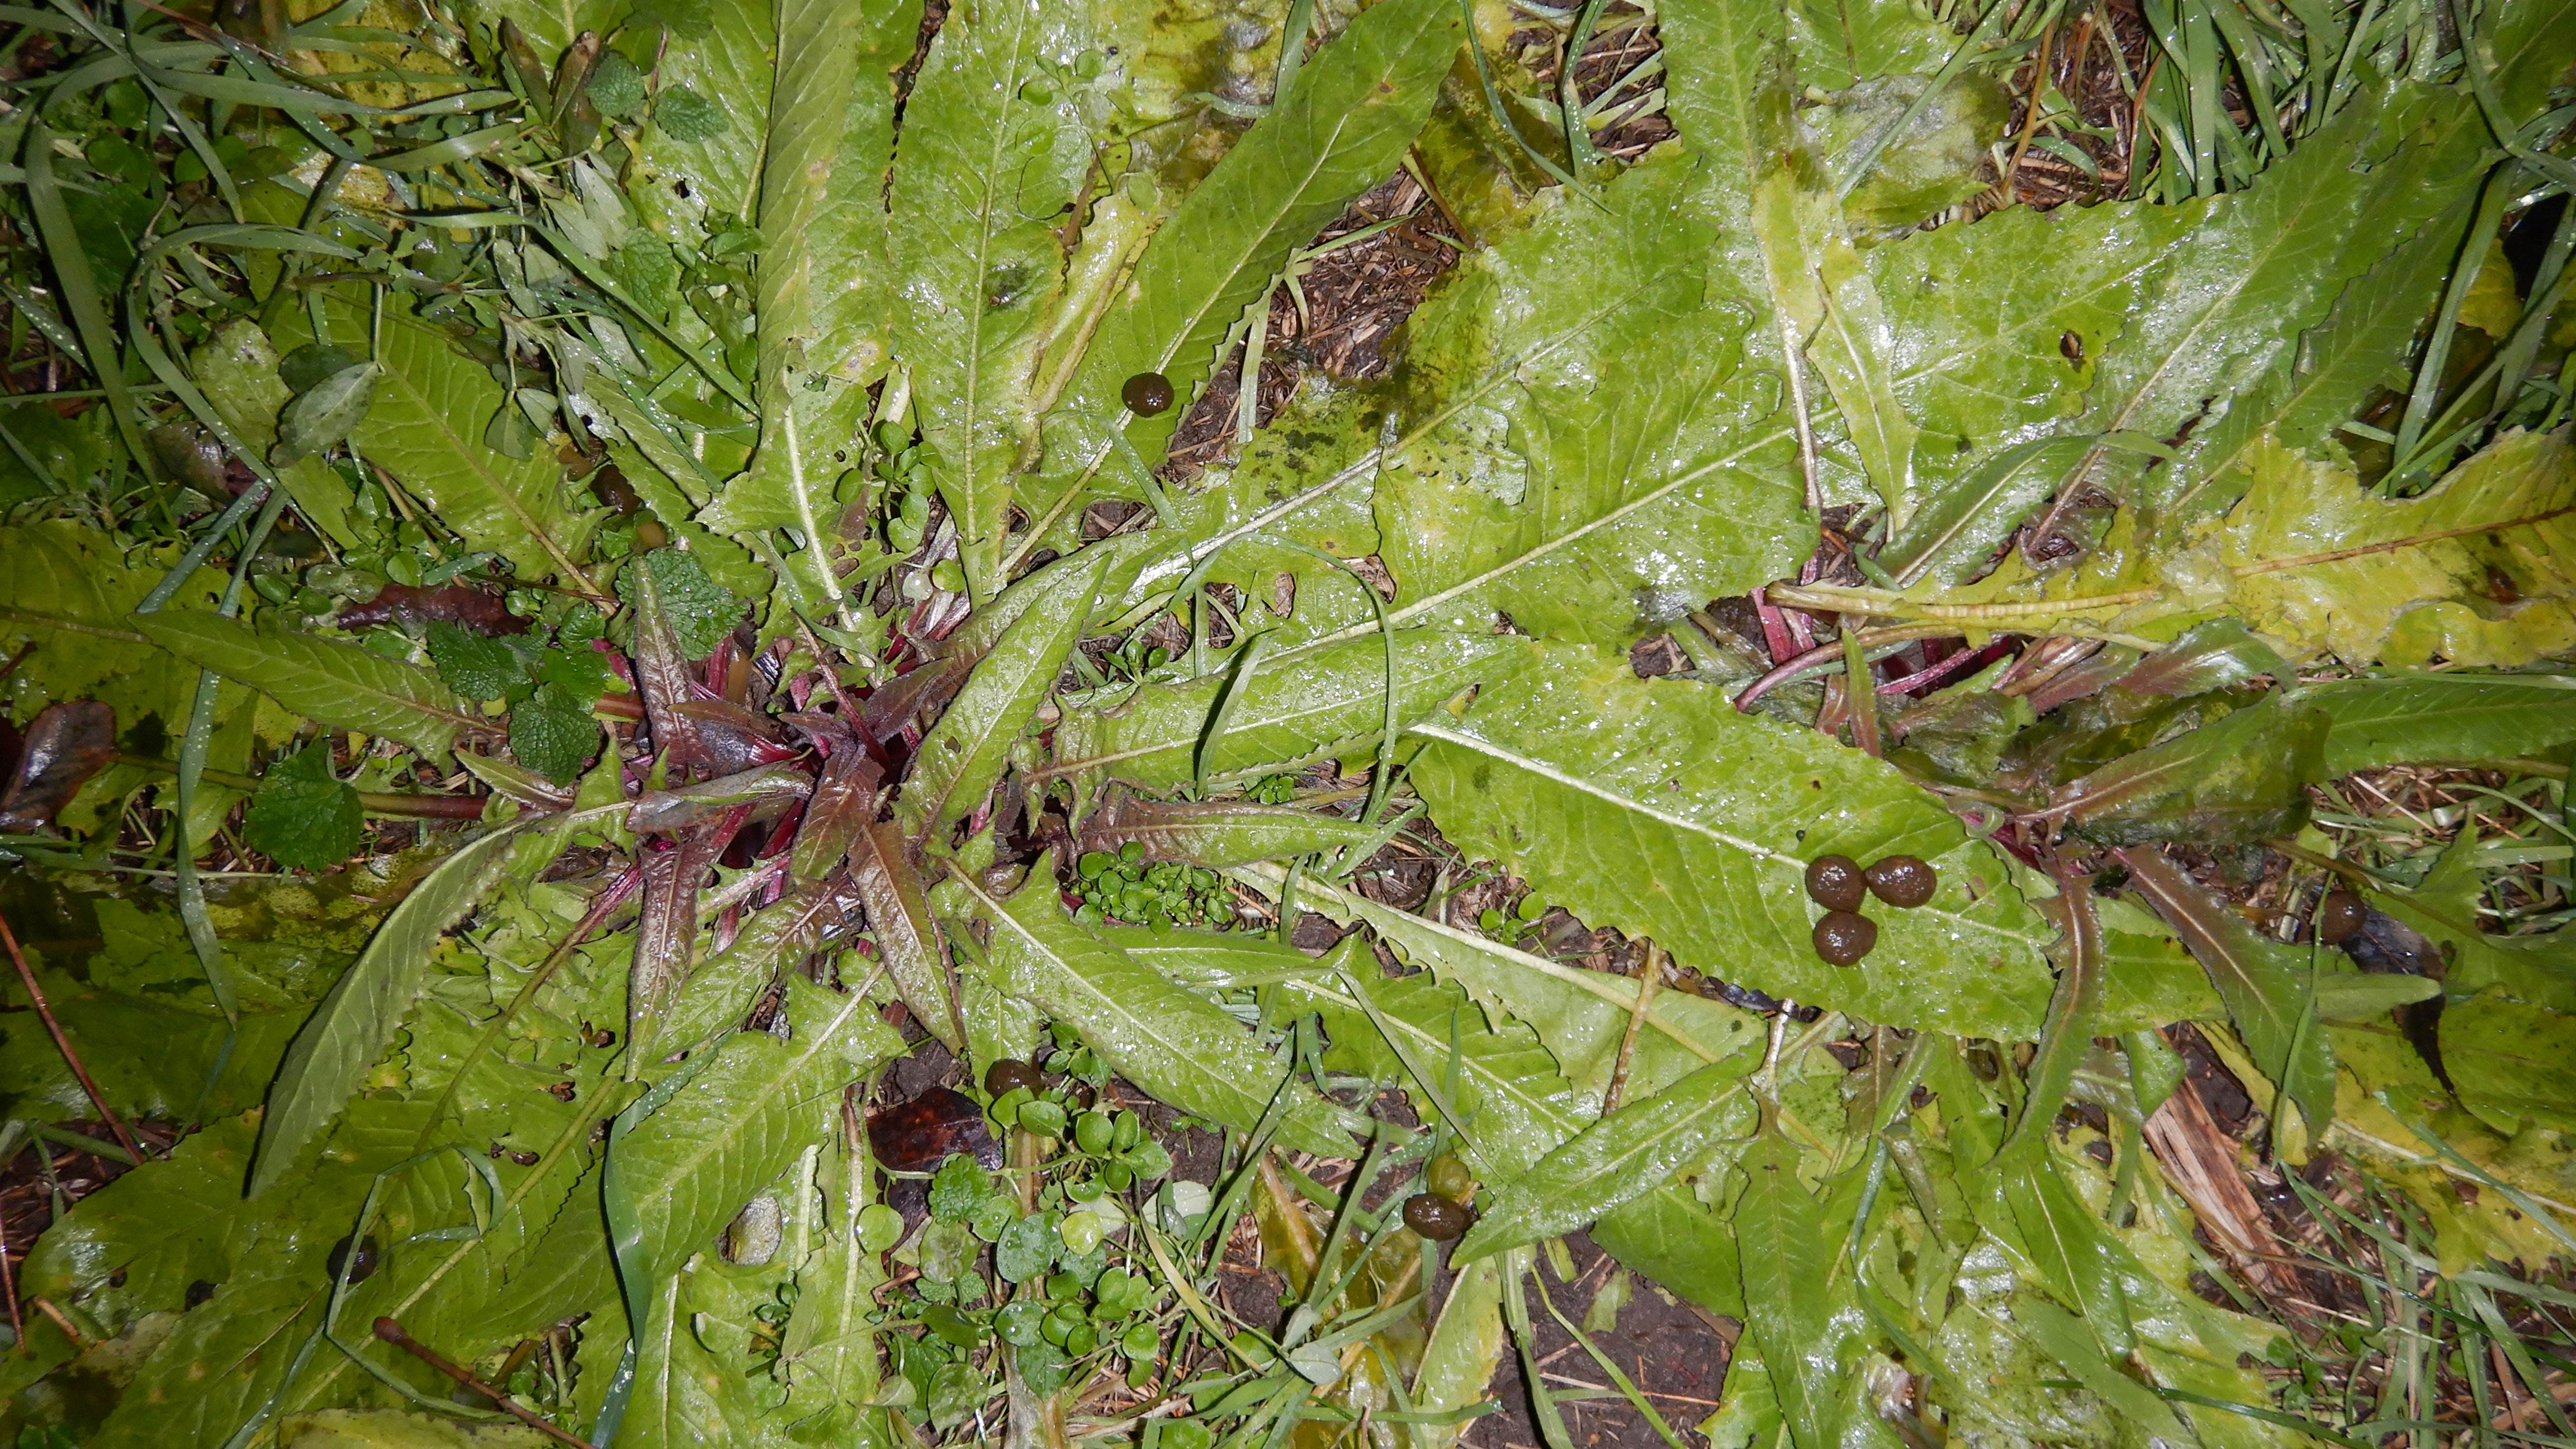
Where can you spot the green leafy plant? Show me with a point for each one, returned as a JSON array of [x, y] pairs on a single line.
[[801, 722]]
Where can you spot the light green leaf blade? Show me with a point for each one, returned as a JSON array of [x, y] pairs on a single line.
[[2391, 719], [321, 679], [2317, 561], [1615, 1161], [236, 369], [823, 279], [1526, 491], [1780, 1236], [1667, 814], [995, 141], [738, 1124], [1342, 129], [1516, 1109], [2240, 780], [356, 1021], [70, 594], [1179, 1047], [426, 428]]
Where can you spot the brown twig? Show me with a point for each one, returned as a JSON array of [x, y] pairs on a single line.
[[63, 1044], [392, 1332], [9, 1289], [79, 1339]]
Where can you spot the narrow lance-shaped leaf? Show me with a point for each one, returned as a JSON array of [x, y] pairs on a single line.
[[823, 304], [1341, 129], [966, 751], [1669, 815], [1615, 1161], [994, 146], [1219, 833], [2263, 983], [321, 679], [899, 919], [1180, 1047], [2071, 1013], [356, 1021], [2396, 718], [1780, 1236], [1291, 710]]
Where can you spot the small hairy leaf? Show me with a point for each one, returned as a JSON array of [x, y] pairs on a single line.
[[473, 665], [701, 610], [552, 732], [302, 815]]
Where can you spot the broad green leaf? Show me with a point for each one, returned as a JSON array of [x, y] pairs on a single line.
[[1840, 42], [2326, 566], [426, 428], [824, 289], [1293, 709], [303, 815], [236, 369], [553, 733], [1342, 129], [1941, 159], [691, 1166], [1585, 1013], [321, 679], [2236, 782], [1615, 1161], [695, 176], [323, 416], [2063, 1337], [2263, 982], [1515, 1108], [356, 1022], [474, 666], [2390, 719], [1780, 1237], [1526, 490], [966, 751], [1667, 814], [2509, 1061], [996, 137], [1177, 1046], [70, 595], [1219, 832]]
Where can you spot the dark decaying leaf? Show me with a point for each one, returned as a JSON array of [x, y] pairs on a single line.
[[63, 746], [460, 604], [918, 1135]]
